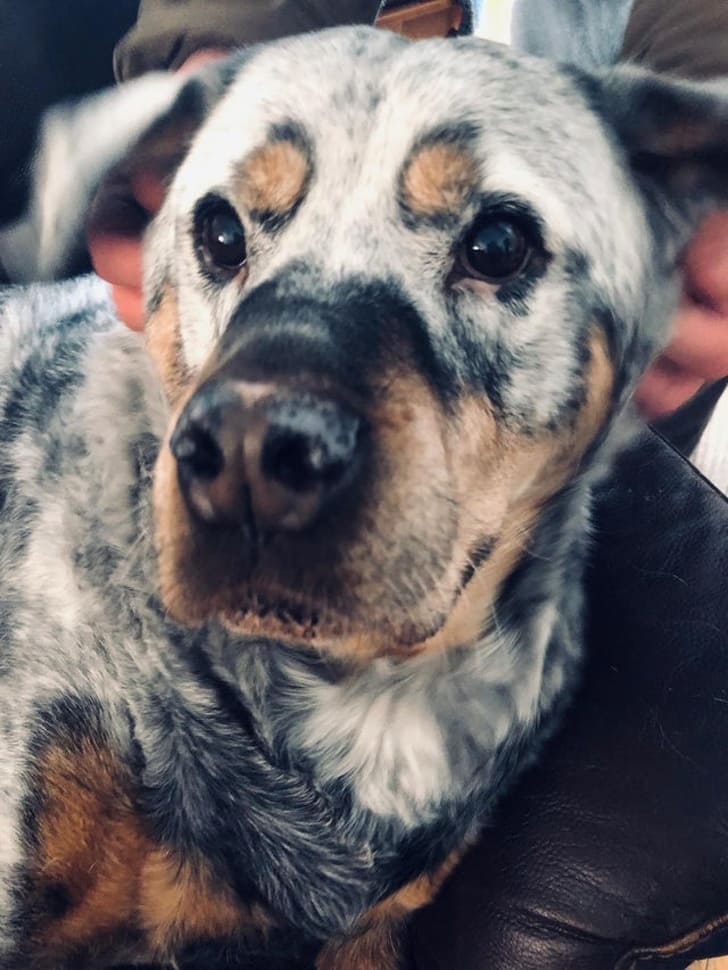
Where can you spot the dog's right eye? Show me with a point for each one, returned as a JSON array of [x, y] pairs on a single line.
[[220, 239], [496, 249]]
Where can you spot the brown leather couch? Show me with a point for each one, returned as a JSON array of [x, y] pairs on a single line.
[[613, 853]]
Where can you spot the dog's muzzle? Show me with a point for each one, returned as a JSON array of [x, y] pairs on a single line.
[[268, 456], [305, 481]]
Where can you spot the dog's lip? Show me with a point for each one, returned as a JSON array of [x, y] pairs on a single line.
[[278, 615], [285, 620]]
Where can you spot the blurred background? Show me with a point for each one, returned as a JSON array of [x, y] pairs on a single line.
[[51, 52], [495, 20]]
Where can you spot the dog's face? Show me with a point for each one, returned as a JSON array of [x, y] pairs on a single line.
[[396, 294]]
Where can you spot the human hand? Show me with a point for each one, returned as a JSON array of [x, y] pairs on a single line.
[[115, 243], [699, 349]]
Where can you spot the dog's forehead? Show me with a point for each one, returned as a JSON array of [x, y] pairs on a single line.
[[367, 90], [363, 101]]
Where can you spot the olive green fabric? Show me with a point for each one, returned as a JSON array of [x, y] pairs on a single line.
[[168, 31], [685, 38]]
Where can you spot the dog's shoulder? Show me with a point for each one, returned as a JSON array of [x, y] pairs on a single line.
[[37, 316], [76, 433], [70, 374]]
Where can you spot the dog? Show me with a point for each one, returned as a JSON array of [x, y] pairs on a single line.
[[293, 588]]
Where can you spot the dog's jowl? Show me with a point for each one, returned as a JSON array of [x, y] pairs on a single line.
[[291, 587]]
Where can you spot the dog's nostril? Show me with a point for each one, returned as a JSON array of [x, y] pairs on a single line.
[[302, 463], [305, 451], [310, 446], [197, 453], [289, 459]]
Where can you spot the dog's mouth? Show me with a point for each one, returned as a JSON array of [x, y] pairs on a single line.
[[285, 616], [380, 579], [278, 624], [280, 618], [298, 590], [322, 605]]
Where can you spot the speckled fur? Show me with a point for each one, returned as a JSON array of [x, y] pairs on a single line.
[[308, 786]]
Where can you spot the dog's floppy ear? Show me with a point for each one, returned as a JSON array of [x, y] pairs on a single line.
[[675, 134], [142, 125]]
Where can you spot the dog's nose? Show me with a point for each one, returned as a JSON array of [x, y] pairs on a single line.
[[280, 460]]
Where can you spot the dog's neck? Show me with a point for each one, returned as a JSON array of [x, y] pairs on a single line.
[[405, 737]]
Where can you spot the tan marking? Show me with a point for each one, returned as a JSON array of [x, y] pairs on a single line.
[[438, 179], [502, 481], [192, 574], [376, 949], [180, 574], [416, 894], [273, 179], [164, 344], [599, 389], [180, 902], [505, 479], [93, 848], [90, 847], [376, 944]]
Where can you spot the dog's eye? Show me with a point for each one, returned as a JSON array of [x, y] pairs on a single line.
[[496, 249], [221, 239]]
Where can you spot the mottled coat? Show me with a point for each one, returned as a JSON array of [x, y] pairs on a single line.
[[215, 736]]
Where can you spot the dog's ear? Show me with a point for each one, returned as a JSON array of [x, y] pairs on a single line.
[[675, 134], [144, 125]]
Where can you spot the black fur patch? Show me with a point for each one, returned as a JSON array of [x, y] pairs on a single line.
[[480, 552], [262, 827], [348, 334]]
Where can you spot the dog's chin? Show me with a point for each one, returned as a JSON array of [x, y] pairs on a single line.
[[279, 620], [343, 631], [331, 634]]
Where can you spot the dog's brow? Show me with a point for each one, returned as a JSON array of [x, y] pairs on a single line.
[[273, 179], [440, 174]]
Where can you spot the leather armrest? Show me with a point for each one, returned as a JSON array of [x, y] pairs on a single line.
[[613, 853]]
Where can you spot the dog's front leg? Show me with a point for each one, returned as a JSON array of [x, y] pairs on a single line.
[[378, 947], [379, 941]]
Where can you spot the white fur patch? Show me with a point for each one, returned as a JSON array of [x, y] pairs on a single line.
[[402, 733], [377, 732]]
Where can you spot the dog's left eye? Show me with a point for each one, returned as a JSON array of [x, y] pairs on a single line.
[[496, 249], [220, 239]]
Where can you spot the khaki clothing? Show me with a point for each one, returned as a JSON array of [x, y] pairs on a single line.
[[685, 38], [168, 31]]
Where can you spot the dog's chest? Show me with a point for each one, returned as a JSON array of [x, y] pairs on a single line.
[[403, 739]]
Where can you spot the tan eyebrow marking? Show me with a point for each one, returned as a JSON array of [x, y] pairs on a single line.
[[438, 178], [273, 179]]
